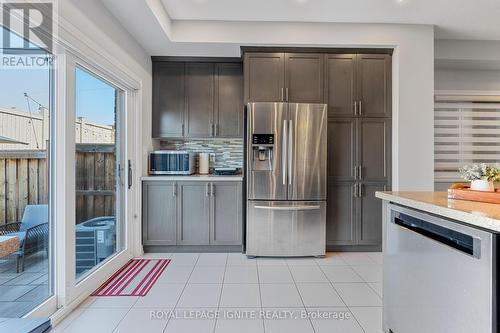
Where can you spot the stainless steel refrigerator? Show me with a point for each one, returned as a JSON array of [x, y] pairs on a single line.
[[286, 179]]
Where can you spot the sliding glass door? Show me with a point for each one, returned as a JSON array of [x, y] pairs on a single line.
[[98, 171], [26, 229]]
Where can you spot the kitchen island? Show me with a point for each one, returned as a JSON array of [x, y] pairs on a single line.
[[440, 263]]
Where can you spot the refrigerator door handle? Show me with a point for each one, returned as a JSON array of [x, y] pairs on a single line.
[[290, 151], [284, 151], [302, 207]]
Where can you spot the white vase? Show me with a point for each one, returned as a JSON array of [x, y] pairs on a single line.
[[482, 185]]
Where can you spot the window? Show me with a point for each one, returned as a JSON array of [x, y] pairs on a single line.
[[466, 130]]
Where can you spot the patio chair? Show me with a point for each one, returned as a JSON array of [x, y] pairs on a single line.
[[33, 232]]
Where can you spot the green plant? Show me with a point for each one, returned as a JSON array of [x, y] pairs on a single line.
[[481, 171]]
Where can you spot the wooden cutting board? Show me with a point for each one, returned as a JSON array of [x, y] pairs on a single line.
[[462, 191]]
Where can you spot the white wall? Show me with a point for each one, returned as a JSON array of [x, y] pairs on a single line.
[[467, 79], [413, 72], [467, 65]]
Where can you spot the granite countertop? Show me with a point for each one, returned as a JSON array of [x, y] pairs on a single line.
[[485, 215], [195, 177]]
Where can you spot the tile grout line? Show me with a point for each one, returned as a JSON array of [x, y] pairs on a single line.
[[298, 291], [221, 289], [260, 292], [182, 292], [348, 307], [119, 322]]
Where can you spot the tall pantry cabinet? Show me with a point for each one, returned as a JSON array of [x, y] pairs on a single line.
[[358, 94]]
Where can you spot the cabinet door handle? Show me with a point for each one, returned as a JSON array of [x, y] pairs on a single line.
[[360, 172], [174, 190], [207, 193], [360, 109], [355, 190], [281, 95], [212, 189], [355, 108], [287, 94], [355, 172]]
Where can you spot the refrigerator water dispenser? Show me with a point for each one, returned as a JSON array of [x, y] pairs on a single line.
[[262, 145]]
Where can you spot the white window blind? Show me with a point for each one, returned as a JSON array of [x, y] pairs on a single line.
[[466, 130]]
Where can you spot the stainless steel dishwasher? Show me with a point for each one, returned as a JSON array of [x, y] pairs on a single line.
[[439, 275]]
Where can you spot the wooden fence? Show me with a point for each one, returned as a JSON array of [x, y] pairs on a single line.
[[24, 181], [95, 181]]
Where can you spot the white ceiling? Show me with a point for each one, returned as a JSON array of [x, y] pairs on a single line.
[[157, 23], [462, 19]]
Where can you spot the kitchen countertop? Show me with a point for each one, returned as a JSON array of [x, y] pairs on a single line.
[[484, 215], [196, 177]]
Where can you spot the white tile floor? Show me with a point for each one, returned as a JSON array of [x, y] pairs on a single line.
[[344, 286]]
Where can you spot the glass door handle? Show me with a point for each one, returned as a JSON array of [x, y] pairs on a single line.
[[129, 174]]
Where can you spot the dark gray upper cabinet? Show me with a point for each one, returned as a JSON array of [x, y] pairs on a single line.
[[369, 227], [340, 79], [197, 99], [286, 77], [194, 209], [358, 85], [374, 149], [264, 77], [168, 99], [159, 213], [374, 85], [199, 116], [304, 78], [228, 110], [226, 213], [341, 214], [341, 148]]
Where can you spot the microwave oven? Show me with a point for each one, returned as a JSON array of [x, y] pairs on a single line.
[[171, 162]]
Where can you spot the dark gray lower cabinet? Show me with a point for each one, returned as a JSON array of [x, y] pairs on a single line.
[[159, 213], [341, 214], [194, 210], [354, 219], [226, 214], [192, 213], [370, 212]]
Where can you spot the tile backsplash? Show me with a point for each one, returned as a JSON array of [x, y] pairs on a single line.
[[227, 152]]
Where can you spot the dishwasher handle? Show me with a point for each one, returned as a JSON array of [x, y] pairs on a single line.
[[457, 240]]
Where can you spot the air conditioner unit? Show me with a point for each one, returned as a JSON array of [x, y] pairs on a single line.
[[95, 241]]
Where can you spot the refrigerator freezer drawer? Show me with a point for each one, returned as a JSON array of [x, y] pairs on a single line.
[[286, 229]]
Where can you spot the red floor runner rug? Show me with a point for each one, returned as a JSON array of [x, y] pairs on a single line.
[[136, 278]]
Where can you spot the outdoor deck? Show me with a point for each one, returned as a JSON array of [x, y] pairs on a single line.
[[21, 292]]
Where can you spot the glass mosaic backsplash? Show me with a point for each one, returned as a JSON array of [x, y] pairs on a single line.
[[227, 153]]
